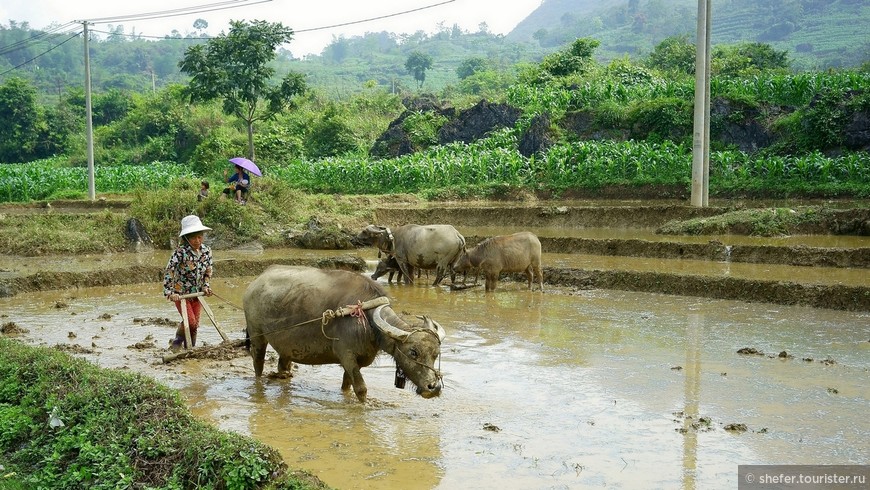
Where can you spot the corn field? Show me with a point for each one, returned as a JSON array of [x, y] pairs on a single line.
[[586, 164], [46, 178]]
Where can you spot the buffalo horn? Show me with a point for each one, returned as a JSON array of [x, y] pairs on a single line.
[[386, 327]]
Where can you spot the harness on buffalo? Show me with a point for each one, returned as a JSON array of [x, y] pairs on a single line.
[[389, 247], [357, 311]]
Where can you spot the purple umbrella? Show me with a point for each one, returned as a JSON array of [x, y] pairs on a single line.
[[247, 165]]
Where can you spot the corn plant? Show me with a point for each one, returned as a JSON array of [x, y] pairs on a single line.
[[46, 178]]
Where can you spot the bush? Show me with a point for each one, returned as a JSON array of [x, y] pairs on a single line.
[[660, 119]]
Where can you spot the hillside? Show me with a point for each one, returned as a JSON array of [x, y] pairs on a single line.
[[817, 34]]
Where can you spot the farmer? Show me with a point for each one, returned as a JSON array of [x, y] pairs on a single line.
[[188, 271], [238, 183]]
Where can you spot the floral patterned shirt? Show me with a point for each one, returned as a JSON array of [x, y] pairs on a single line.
[[188, 272]]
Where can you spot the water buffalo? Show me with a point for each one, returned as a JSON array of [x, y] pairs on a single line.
[[519, 252], [388, 265], [417, 246], [283, 308]]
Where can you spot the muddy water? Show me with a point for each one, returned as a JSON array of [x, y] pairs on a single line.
[[554, 390], [649, 234]]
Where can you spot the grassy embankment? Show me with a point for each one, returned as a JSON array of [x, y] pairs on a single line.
[[65, 423]]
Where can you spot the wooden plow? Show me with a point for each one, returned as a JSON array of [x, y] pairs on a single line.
[[192, 352]]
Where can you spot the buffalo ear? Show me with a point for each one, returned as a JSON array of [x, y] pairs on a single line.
[[434, 326]]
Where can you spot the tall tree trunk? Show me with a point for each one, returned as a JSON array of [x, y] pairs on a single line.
[[251, 141]]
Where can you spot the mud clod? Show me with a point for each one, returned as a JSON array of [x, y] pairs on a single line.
[[163, 322], [73, 349], [491, 427], [10, 328], [736, 428], [750, 351]]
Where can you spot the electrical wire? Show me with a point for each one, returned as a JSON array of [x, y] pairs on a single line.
[[9, 48], [176, 12], [312, 29], [375, 18], [43, 53]]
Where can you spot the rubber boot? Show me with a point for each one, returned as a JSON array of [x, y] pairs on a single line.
[[176, 344]]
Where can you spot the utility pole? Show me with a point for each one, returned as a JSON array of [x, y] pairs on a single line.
[[700, 139], [709, 36], [89, 120]]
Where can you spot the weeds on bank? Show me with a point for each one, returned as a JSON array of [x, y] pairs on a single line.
[[65, 423], [758, 222], [40, 234]]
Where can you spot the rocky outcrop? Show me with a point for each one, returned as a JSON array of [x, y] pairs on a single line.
[[477, 122], [395, 141], [537, 138], [739, 124]]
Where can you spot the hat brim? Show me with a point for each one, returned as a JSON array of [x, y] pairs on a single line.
[[194, 229]]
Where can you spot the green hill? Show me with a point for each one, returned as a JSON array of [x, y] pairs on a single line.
[[817, 34]]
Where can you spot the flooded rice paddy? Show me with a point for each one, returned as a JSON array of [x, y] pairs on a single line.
[[565, 389]]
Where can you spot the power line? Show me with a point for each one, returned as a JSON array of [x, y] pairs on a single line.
[[9, 48], [312, 29], [376, 18], [229, 4], [75, 35]]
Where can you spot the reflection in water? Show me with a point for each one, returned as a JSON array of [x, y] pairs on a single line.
[[561, 389], [691, 412]]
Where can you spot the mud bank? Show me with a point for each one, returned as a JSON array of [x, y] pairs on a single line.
[[839, 297], [713, 251]]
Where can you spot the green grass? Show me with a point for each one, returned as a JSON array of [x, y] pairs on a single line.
[[120, 430]]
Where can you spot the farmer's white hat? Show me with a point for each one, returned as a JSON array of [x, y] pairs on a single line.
[[192, 224]]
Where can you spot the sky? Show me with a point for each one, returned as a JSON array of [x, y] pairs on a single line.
[[306, 17]]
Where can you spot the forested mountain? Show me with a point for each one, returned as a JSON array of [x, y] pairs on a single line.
[[816, 34]]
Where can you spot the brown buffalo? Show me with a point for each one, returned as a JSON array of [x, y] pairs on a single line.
[[520, 252], [284, 306], [417, 247]]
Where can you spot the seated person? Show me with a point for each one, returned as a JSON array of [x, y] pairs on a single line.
[[238, 184]]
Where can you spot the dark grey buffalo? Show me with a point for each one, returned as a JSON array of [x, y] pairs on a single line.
[[417, 247], [388, 265], [284, 307], [519, 252]]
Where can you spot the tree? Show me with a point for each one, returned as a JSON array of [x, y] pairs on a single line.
[[236, 67], [748, 59], [470, 66], [417, 64], [675, 53], [19, 118], [573, 60]]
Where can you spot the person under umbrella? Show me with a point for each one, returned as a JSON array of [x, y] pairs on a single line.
[[238, 184]]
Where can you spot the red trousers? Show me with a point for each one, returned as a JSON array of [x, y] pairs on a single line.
[[194, 307]]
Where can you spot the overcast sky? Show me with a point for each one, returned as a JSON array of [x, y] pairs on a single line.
[[501, 16]]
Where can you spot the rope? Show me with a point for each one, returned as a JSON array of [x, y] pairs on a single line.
[[216, 295]]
